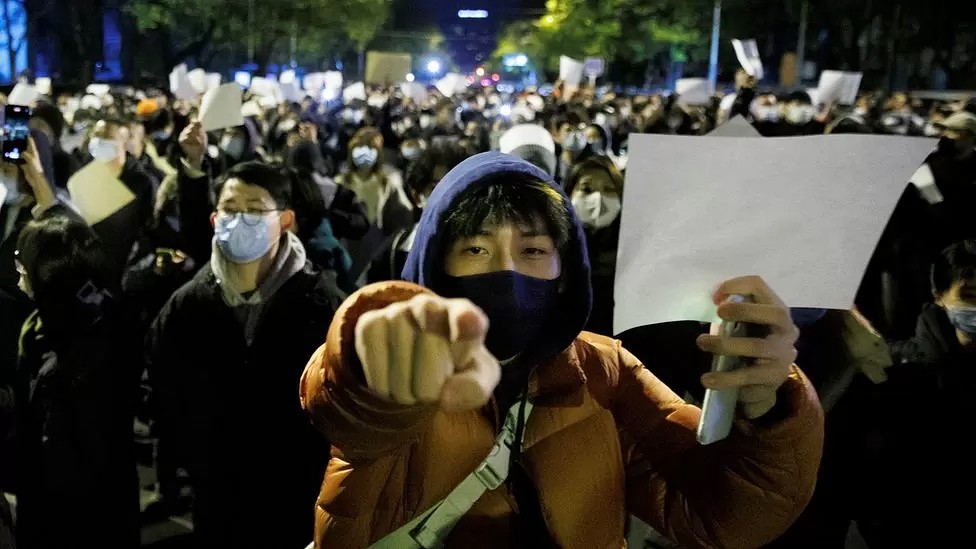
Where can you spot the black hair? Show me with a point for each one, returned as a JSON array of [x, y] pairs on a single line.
[[308, 203], [420, 172], [67, 272], [595, 163], [513, 198], [270, 177], [957, 262]]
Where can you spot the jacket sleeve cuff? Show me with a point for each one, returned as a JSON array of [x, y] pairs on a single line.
[[797, 411], [190, 171]]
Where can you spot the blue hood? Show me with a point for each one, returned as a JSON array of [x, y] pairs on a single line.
[[422, 268]]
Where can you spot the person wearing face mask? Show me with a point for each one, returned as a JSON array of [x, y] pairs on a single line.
[[798, 117], [123, 228], [377, 185], [573, 143], [596, 190], [223, 357], [445, 123], [482, 343], [935, 367]]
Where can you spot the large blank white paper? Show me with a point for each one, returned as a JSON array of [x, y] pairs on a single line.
[[43, 85], [98, 89], [694, 91], [736, 127], [747, 51], [451, 84], [23, 94], [213, 80], [97, 193], [570, 71], [838, 87], [354, 92], [198, 79], [415, 91], [179, 84], [805, 213], [221, 108]]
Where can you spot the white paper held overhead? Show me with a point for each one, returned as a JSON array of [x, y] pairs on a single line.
[[97, 193], [838, 87], [805, 213], [221, 108], [179, 84], [23, 94], [354, 92], [694, 91], [570, 71], [747, 53]]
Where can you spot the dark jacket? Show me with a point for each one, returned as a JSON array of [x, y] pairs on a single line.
[[230, 413], [76, 384]]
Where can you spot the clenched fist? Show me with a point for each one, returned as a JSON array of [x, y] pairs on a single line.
[[428, 350]]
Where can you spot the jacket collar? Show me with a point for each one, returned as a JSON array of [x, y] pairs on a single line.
[[560, 376]]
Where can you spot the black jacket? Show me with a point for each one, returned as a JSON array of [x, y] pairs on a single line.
[[76, 477], [230, 412]]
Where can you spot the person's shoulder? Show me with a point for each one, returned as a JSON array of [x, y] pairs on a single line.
[[319, 286], [599, 356], [197, 289]]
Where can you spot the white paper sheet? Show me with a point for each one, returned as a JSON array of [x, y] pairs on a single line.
[[97, 193], [839, 87], [214, 79], [333, 80], [736, 127], [805, 213], [23, 94], [451, 84], [747, 51], [268, 90], [179, 84], [570, 71], [694, 91], [221, 108], [98, 89], [354, 92], [415, 91], [198, 79], [43, 85]]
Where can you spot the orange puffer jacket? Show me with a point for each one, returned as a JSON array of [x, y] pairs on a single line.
[[606, 438]]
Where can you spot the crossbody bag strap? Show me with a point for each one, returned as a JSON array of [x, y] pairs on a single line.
[[430, 529]]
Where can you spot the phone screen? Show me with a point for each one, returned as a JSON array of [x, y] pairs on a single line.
[[16, 130]]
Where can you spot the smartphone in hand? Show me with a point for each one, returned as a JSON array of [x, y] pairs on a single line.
[[16, 132], [718, 409]]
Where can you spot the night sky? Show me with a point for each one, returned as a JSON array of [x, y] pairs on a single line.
[[470, 41]]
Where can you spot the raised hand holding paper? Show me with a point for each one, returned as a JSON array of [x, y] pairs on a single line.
[[805, 213], [221, 108], [570, 71], [97, 193], [748, 54]]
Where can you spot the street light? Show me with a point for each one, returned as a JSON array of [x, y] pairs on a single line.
[[410, 77], [434, 66]]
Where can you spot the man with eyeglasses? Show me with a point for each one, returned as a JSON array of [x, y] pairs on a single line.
[[224, 356]]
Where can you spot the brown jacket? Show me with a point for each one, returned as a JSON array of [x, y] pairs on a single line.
[[606, 439]]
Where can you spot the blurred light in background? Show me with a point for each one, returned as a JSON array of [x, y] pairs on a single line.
[[410, 77], [495, 78], [472, 14], [243, 78], [434, 66]]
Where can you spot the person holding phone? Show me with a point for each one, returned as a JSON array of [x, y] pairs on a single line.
[[485, 341]]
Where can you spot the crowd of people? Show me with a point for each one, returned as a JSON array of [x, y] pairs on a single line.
[[327, 317]]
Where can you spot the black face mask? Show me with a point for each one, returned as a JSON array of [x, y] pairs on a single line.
[[518, 307]]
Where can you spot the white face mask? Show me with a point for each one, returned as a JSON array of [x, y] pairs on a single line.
[[426, 120], [103, 150], [931, 130], [800, 114], [232, 145], [596, 210]]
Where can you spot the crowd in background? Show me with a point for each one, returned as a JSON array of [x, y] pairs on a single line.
[[148, 318]]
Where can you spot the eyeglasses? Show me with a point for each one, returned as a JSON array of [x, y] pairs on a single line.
[[250, 216]]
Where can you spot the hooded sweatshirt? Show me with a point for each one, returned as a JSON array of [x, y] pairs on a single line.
[[424, 262]]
